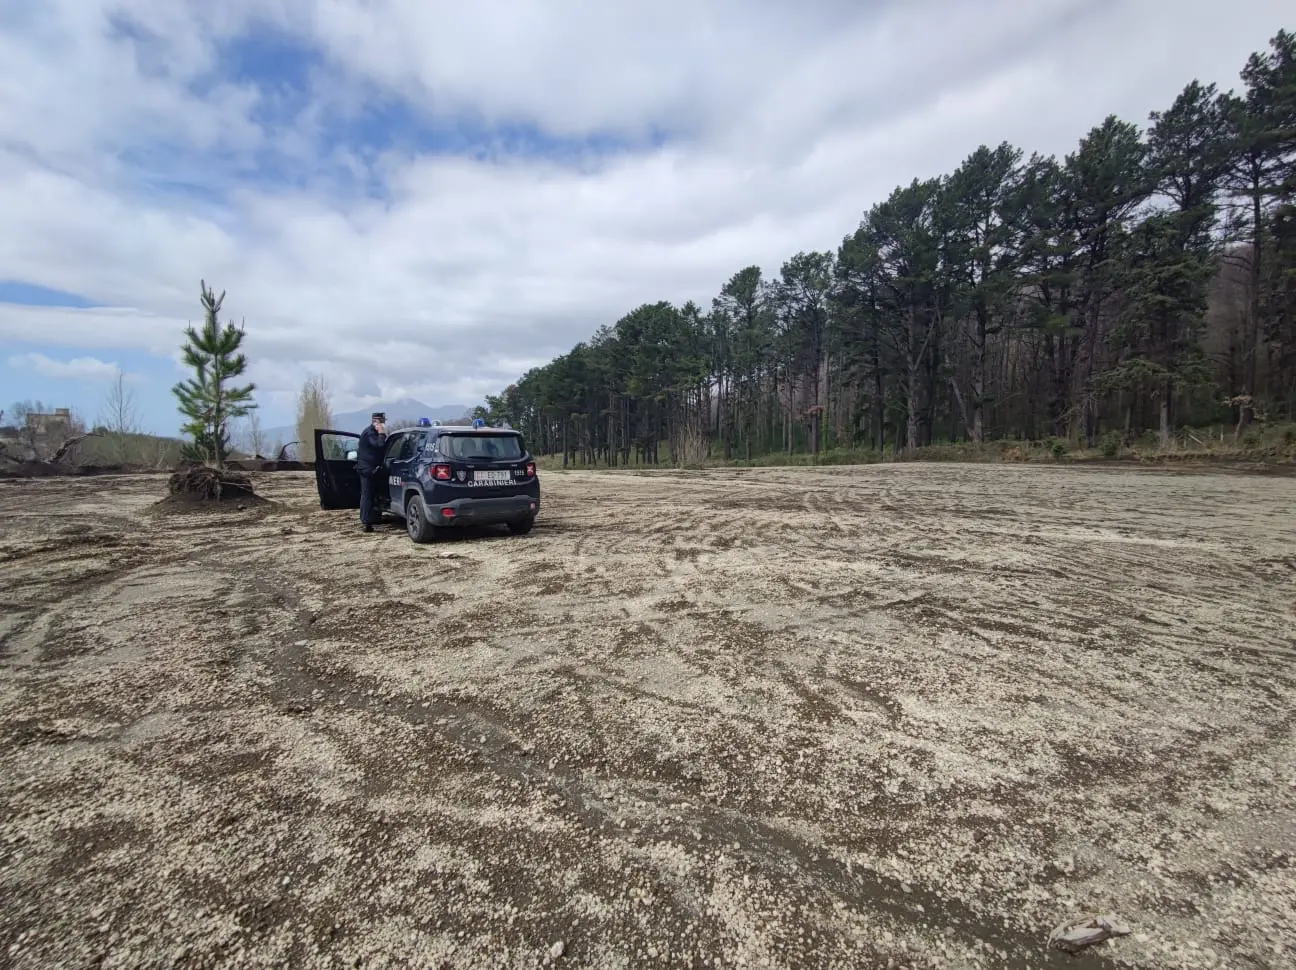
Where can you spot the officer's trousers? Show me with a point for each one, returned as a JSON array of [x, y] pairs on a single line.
[[368, 491]]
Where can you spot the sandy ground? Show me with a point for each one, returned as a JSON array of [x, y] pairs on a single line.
[[909, 716]]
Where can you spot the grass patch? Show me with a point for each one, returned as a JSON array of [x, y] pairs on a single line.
[[134, 450], [1264, 444]]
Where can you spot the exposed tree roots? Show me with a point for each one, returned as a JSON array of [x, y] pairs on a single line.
[[201, 487]]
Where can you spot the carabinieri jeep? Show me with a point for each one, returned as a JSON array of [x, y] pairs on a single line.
[[438, 477]]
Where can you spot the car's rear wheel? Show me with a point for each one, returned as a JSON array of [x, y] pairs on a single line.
[[417, 522], [521, 527]]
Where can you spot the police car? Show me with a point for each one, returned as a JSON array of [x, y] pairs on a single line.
[[438, 477]]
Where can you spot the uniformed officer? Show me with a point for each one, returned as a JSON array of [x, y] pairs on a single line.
[[369, 465]]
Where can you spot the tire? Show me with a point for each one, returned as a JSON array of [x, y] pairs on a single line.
[[522, 527], [416, 521]]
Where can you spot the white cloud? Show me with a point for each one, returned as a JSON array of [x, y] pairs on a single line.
[[76, 369], [785, 122], [97, 328]]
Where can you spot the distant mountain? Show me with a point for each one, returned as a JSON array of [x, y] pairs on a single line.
[[406, 409]]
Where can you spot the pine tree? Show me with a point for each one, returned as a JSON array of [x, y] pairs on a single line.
[[1172, 257], [206, 399], [1124, 284]]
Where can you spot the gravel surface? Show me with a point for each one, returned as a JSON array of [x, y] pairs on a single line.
[[897, 716]]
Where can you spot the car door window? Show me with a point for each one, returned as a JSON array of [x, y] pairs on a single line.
[[411, 447], [394, 446], [336, 446]]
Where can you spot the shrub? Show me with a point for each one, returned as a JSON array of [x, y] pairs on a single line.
[[1110, 445]]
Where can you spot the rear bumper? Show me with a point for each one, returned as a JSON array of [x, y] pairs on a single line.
[[485, 511]]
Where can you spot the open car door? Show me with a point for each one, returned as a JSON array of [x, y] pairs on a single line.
[[335, 469]]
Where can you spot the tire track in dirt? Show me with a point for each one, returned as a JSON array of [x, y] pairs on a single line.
[[474, 725], [520, 748], [499, 749]]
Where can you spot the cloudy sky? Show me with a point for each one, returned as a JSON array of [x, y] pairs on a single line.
[[423, 198]]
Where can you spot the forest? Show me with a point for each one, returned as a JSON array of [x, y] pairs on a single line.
[[1143, 284]]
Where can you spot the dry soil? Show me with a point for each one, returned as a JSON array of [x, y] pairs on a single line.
[[910, 716]]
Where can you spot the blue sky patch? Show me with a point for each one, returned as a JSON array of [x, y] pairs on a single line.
[[314, 133], [280, 66], [149, 380], [32, 294]]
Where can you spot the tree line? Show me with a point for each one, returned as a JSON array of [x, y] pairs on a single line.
[[1144, 282]]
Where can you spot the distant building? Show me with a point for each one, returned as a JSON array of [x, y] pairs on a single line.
[[42, 425], [39, 435]]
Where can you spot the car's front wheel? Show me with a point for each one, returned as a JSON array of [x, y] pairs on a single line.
[[417, 522], [521, 527]]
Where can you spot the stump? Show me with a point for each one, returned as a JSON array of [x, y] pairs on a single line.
[[210, 485], [198, 487]]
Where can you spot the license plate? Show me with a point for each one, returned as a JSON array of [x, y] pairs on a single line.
[[492, 476]]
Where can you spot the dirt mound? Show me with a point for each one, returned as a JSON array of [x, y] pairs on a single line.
[[45, 469], [268, 465], [202, 489], [12, 468]]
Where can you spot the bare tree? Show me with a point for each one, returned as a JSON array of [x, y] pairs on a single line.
[[313, 411], [256, 435], [249, 436], [119, 414], [18, 413], [119, 418], [18, 418]]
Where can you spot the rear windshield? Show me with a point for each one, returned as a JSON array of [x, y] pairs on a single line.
[[501, 446]]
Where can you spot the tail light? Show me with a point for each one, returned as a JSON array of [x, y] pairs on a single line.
[[530, 469], [441, 473]]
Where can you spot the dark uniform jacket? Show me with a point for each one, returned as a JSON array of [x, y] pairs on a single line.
[[369, 453]]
